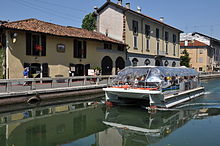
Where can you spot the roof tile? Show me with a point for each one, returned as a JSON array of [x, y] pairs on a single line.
[[35, 25]]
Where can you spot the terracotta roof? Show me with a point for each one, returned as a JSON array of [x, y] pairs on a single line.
[[143, 15], [39, 26], [193, 43]]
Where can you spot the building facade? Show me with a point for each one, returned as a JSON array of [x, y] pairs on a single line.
[[51, 50], [150, 42], [203, 50]]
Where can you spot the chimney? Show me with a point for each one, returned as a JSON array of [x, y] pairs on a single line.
[[162, 19], [128, 5], [119, 2], [138, 9]]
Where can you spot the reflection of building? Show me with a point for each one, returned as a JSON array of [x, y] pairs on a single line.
[[133, 127], [203, 50], [151, 42], [54, 50], [54, 125]]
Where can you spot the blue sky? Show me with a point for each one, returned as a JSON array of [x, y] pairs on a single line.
[[188, 15]]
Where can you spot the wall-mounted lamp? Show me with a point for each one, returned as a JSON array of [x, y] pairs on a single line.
[[14, 37]]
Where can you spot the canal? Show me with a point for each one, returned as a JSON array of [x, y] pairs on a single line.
[[93, 124]]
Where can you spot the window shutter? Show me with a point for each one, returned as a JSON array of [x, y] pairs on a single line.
[[28, 43], [80, 49], [75, 48], [43, 45], [84, 49], [45, 70]]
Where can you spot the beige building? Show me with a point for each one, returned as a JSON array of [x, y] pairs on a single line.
[[51, 50], [203, 50], [199, 54], [150, 41]]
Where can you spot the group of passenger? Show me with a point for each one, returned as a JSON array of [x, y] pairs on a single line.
[[181, 82]]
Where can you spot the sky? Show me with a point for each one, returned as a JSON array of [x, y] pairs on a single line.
[[188, 15]]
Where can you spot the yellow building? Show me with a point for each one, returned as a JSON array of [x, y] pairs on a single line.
[[200, 54], [51, 50], [203, 50], [150, 41]]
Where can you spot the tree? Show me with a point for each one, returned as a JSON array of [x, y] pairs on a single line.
[[184, 60], [89, 22]]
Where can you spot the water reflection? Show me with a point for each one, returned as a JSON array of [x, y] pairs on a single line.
[[51, 126], [94, 124], [136, 127]]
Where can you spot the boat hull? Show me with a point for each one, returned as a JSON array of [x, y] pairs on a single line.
[[153, 97]]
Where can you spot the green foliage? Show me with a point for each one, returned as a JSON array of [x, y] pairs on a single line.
[[184, 60], [96, 68], [89, 22]]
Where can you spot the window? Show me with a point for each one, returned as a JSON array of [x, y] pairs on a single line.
[[174, 50], [147, 62], [173, 64], [79, 49], [135, 27], [148, 45], [158, 47], [174, 38], [121, 47], [166, 63], [108, 46], [147, 30], [166, 36], [135, 42], [157, 33], [35, 44], [134, 62], [167, 48], [200, 51], [200, 60]]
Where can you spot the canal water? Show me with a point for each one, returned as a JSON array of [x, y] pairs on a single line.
[[196, 123]]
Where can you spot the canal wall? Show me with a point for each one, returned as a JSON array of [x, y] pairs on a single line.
[[204, 76], [68, 89], [68, 94]]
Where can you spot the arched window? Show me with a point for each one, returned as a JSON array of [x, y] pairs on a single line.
[[134, 61], [147, 62], [107, 65], [119, 64], [173, 64], [166, 63]]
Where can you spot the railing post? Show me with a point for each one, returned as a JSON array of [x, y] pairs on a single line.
[[97, 80], [6, 87], [68, 80], [108, 80], [33, 83], [84, 81], [52, 83]]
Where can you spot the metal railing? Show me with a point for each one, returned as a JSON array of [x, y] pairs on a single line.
[[16, 85], [209, 73]]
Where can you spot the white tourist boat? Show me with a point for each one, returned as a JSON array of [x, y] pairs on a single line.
[[154, 86]]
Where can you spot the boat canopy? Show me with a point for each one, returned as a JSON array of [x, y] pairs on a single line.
[[155, 72]]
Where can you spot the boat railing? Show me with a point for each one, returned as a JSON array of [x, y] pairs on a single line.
[[134, 85]]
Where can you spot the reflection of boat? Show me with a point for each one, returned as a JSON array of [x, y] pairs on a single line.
[[137, 127], [155, 86]]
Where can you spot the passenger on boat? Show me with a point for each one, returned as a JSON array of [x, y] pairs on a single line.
[[142, 82], [136, 81]]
